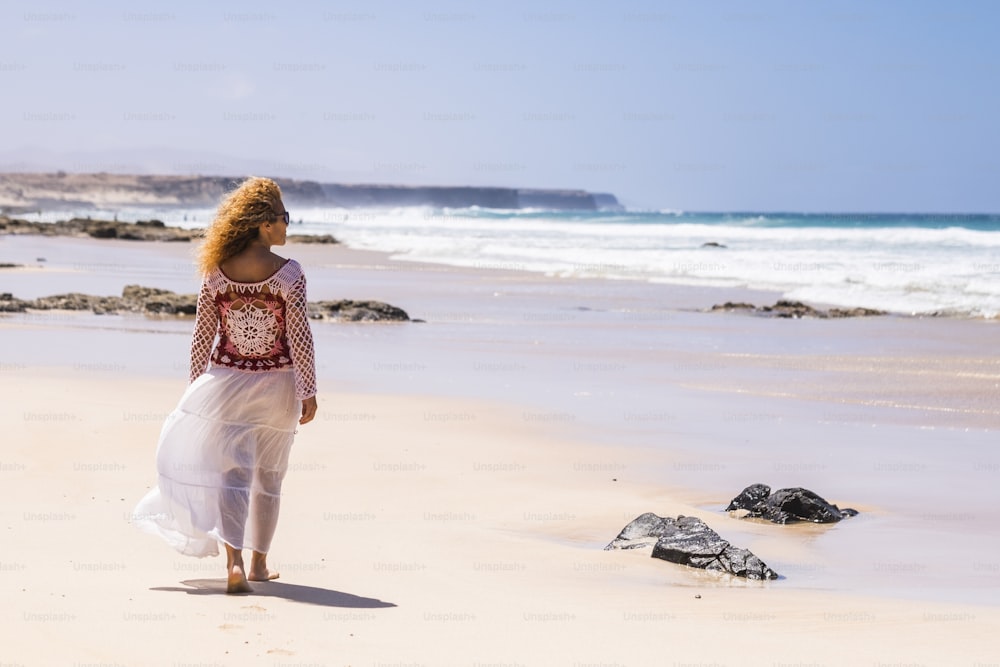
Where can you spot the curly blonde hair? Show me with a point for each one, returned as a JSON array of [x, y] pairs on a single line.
[[254, 202]]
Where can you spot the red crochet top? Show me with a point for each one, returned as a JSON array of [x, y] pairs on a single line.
[[259, 326]]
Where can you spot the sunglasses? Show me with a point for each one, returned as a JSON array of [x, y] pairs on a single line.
[[286, 217]]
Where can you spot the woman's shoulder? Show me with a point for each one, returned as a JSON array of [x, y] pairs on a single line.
[[292, 266], [291, 272], [213, 276]]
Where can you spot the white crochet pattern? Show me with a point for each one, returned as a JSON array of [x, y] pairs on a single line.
[[254, 330]]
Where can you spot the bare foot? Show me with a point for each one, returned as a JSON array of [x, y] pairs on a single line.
[[237, 581], [258, 568], [262, 574]]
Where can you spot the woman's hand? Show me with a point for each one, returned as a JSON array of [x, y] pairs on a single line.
[[308, 410]]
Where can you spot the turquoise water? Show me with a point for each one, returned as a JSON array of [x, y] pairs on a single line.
[[979, 222]]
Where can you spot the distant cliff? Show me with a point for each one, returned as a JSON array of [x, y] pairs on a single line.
[[28, 192]]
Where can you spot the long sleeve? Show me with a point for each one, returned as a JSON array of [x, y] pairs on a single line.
[[300, 340], [205, 329]]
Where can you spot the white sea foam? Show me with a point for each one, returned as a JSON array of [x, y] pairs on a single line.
[[901, 269], [908, 266]]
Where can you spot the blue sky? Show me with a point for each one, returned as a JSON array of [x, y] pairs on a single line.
[[690, 105]]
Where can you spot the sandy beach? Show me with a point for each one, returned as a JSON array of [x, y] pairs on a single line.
[[450, 504]]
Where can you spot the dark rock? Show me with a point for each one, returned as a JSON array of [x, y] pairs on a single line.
[[102, 231], [140, 293], [10, 265], [643, 531], [854, 312], [142, 230], [134, 299], [74, 301], [178, 304], [311, 238], [712, 244], [729, 305], [347, 310], [159, 301], [753, 496], [8, 304], [689, 541], [796, 309], [787, 505], [156, 301]]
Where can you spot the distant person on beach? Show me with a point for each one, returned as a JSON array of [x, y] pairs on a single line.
[[223, 452]]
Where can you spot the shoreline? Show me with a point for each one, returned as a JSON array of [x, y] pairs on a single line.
[[522, 397], [157, 231], [522, 306]]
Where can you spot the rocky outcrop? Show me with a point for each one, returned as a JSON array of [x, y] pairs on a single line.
[[134, 299], [786, 505], [8, 304], [143, 230], [155, 301], [689, 541], [346, 310], [26, 192], [795, 309], [311, 238]]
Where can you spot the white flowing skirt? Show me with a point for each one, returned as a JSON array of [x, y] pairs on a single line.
[[221, 458]]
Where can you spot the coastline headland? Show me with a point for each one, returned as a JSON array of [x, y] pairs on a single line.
[[21, 192]]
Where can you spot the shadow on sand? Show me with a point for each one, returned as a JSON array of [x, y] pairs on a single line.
[[323, 597]]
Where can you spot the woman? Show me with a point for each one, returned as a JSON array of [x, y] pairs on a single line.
[[224, 451]]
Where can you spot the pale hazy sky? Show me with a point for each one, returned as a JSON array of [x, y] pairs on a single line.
[[694, 105]]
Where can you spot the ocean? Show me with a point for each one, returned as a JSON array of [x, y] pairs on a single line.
[[902, 263]]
